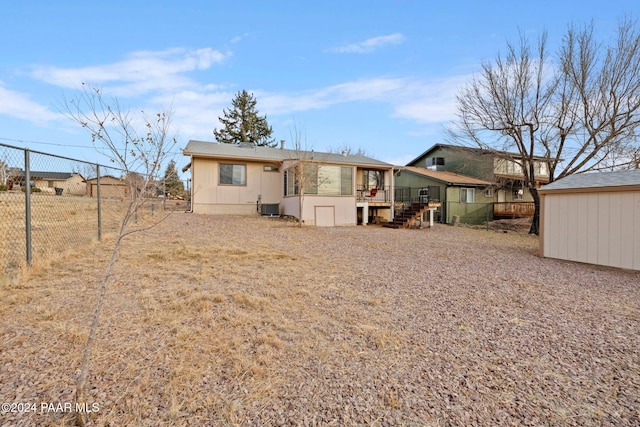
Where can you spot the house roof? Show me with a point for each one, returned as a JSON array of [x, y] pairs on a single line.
[[55, 176], [468, 149], [105, 177], [251, 152], [450, 178], [625, 178]]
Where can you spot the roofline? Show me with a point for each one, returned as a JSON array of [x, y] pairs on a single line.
[[380, 165], [476, 149], [484, 184], [600, 189]]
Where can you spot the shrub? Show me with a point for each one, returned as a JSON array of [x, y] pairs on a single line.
[[3, 187], [33, 190]]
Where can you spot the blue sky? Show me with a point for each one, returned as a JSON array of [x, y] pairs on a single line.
[[376, 75]]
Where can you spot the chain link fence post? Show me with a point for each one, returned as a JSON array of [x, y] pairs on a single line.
[[27, 204]]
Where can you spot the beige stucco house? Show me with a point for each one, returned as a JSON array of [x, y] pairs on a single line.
[[65, 183], [323, 189], [592, 218], [110, 187]]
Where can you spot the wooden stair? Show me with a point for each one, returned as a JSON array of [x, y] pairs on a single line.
[[409, 213]]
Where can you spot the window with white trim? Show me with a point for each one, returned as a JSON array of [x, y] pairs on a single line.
[[467, 195]]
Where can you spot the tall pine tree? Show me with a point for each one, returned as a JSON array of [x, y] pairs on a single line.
[[172, 183], [242, 124]]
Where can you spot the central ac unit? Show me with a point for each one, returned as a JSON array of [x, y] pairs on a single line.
[[270, 209]]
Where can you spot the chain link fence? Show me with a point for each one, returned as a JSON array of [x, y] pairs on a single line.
[[50, 204]]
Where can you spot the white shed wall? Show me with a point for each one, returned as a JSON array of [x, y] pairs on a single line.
[[596, 228]]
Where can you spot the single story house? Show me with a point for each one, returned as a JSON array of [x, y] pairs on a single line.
[[110, 187], [592, 218], [67, 183], [323, 189], [468, 198]]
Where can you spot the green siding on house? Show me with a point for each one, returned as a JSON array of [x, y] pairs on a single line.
[[469, 213], [479, 211], [462, 161]]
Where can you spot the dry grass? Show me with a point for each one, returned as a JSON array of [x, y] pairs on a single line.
[[57, 224], [247, 321]]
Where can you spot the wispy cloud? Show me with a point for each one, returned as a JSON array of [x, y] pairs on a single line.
[[20, 106], [141, 72], [358, 90], [431, 101], [369, 45], [422, 101], [426, 102], [238, 39]]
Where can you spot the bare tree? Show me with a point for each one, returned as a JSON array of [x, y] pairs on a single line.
[[139, 153], [4, 173], [300, 174], [346, 149], [578, 113]]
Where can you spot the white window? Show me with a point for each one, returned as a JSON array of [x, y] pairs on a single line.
[[488, 192], [467, 195]]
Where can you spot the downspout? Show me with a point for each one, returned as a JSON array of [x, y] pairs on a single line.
[[191, 190], [392, 190], [446, 203]]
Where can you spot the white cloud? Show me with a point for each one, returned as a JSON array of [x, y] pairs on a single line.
[[431, 101], [421, 101], [19, 105], [370, 45], [427, 103], [359, 90], [141, 72]]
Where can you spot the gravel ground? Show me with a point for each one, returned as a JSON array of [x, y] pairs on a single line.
[[251, 321]]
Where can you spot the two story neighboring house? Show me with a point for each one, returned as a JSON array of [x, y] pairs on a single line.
[[501, 169], [318, 188]]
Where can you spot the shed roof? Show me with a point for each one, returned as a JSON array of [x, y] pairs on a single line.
[[252, 152], [450, 178], [625, 178]]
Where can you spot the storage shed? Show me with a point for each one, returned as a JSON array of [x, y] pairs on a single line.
[[592, 218]]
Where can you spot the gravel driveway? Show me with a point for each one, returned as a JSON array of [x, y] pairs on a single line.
[[249, 321]]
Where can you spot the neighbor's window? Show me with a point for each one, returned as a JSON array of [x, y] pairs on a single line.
[[233, 174], [518, 194], [467, 195]]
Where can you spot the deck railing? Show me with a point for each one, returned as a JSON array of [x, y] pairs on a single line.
[[513, 209], [382, 194]]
